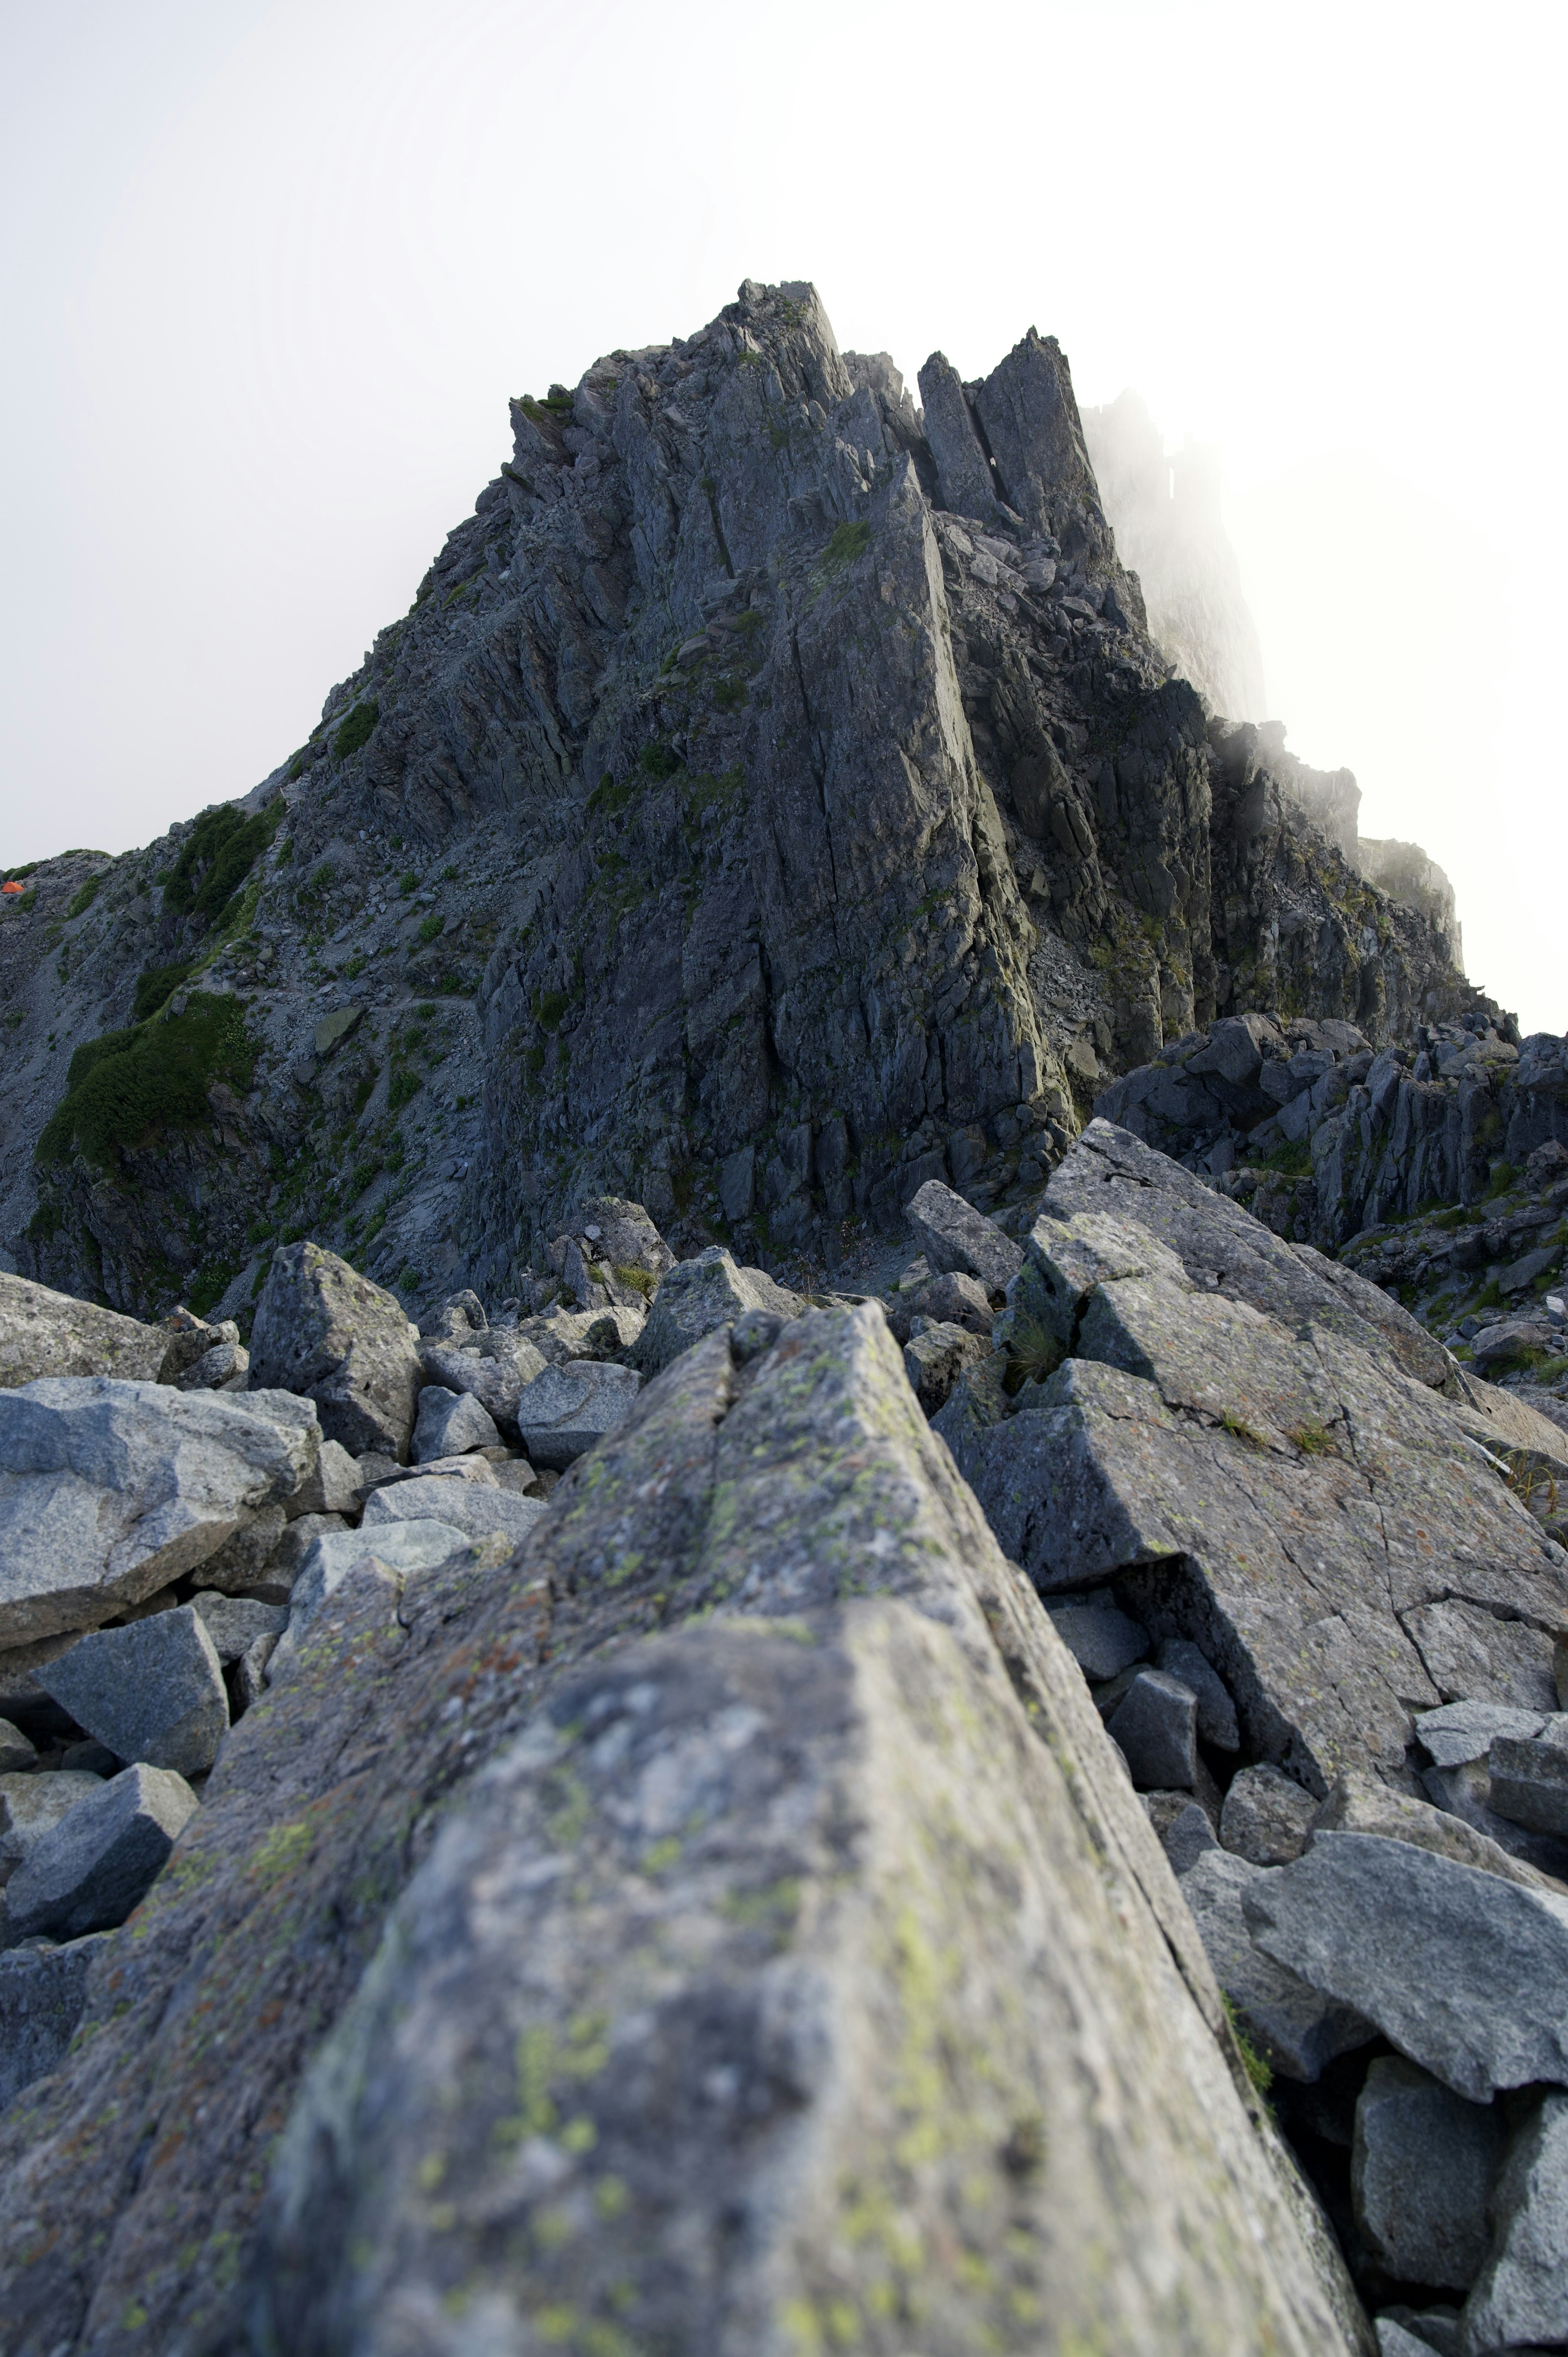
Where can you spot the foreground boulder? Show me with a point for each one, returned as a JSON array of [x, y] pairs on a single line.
[[89, 1873], [323, 1330], [109, 1491], [46, 1333], [152, 1692], [833, 1906]]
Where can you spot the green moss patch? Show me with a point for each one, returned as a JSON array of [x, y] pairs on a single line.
[[217, 856], [124, 1087], [355, 730], [153, 985]]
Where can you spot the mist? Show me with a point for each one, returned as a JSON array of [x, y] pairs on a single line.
[[272, 273]]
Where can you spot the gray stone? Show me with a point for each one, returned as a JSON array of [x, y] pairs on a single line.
[[469, 1467], [1522, 2293], [234, 1623], [101, 1858], [566, 1411], [332, 1029], [41, 1996], [1100, 1640], [46, 1333], [1216, 1711], [754, 1332], [950, 1300], [450, 1424], [623, 1235], [16, 1752], [1266, 1817], [459, 1316], [1530, 1778], [954, 1236], [240, 1563], [1420, 2175], [1155, 1725], [697, 1297], [251, 1670], [224, 1367], [1467, 1730], [151, 1692], [977, 1402], [935, 1358], [492, 1369], [406, 1547], [1465, 1793], [1359, 1803], [1298, 2030], [1069, 1258], [274, 1583], [112, 1489], [1469, 1650], [1183, 1827], [695, 1786], [1460, 1970], [333, 1488], [1425, 2328], [516, 1474], [323, 1330], [1396, 2339], [478, 1509], [32, 1805]]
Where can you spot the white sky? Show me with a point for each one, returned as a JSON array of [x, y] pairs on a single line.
[[268, 274]]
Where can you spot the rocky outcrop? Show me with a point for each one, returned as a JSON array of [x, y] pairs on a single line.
[[861, 1923], [772, 800]]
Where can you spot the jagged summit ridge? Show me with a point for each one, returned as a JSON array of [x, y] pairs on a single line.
[[795, 808]]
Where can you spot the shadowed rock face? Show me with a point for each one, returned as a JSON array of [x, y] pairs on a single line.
[[779, 1952], [798, 810]]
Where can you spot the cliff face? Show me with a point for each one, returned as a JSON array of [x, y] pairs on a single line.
[[773, 798]]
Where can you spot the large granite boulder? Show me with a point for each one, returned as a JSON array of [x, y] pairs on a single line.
[[110, 1491], [323, 1330], [47, 1333], [829, 1906]]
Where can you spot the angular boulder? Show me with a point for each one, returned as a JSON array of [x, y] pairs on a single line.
[[1100, 1640], [152, 1692], [721, 2009], [1420, 2175], [323, 1330], [101, 1860], [697, 1297], [403, 1547], [1359, 1803], [566, 1411], [479, 1510], [47, 1333], [109, 1491], [954, 1236], [1530, 1778], [935, 1358], [32, 1805], [1463, 1972], [449, 1424], [235, 1623], [1296, 2028], [1520, 2298], [1266, 1818], [622, 1236], [492, 1369]]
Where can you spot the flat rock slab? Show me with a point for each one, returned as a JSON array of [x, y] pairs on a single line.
[[449, 1424], [1522, 2294], [110, 1491], [477, 1509], [101, 1860], [1464, 1972], [1530, 1780], [1298, 2030], [327, 1332], [1363, 1804], [696, 1297], [1042, 2077], [566, 1411], [153, 1691], [1420, 2175], [954, 1236], [1467, 1730], [47, 1333], [42, 1991]]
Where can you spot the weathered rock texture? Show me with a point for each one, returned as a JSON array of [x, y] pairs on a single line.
[[804, 1970], [771, 800]]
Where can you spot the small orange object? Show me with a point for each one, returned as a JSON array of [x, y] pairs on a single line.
[[10, 888]]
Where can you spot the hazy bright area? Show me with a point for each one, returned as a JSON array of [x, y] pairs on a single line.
[[269, 273]]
